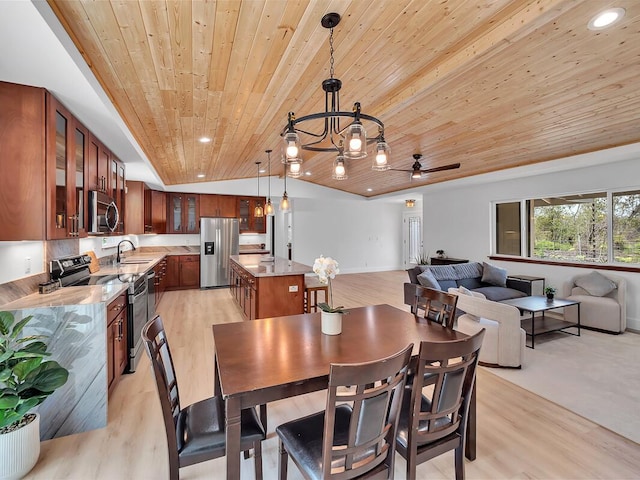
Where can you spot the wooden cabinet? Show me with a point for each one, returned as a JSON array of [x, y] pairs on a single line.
[[218, 206], [247, 222], [268, 296], [447, 261], [66, 157], [135, 208], [155, 211], [98, 168], [160, 280], [22, 182], [183, 272], [116, 340], [183, 213]]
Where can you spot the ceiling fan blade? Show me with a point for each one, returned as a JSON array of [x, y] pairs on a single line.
[[451, 166]]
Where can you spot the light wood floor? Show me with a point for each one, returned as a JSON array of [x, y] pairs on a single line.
[[520, 435]]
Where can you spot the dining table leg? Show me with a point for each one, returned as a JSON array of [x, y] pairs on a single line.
[[232, 436]]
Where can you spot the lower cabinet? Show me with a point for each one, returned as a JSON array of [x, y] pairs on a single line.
[[160, 281], [116, 340], [183, 272]]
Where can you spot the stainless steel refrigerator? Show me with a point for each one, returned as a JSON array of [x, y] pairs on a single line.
[[219, 238]]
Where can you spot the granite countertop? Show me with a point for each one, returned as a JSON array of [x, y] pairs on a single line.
[[280, 267], [69, 296]]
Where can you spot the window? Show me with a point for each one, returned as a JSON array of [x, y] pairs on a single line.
[[591, 228], [626, 227]]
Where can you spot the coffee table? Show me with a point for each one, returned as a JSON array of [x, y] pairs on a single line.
[[544, 324]]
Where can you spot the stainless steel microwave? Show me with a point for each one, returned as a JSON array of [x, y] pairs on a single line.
[[103, 213]]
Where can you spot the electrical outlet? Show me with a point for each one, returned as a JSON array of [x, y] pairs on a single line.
[[27, 265], [293, 288]]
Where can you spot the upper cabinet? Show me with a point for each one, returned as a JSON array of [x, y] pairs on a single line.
[[98, 167], [66, 155], [218, 206], [134, 208], [155, 211], [22, 183], [117, 189], [183, 213], [248, 222]]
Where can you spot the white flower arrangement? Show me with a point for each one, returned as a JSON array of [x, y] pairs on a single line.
[[327, 268]]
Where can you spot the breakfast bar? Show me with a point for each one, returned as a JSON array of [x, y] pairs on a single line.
[[265, 287]]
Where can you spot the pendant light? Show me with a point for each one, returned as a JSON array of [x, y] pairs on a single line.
[[268, 207], [284, 203], [258, 212]]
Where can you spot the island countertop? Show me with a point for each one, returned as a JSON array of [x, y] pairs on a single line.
[[254, 265]]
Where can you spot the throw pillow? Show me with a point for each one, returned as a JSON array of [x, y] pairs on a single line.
[[494, 275], [465, 291], [596, 284], [426, 279]]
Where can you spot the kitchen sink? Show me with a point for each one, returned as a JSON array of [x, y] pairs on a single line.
[[134, 262]]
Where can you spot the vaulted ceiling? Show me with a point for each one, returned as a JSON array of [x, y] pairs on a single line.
[[490, 84]]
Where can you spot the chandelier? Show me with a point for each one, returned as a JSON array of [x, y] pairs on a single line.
[[342, 131]]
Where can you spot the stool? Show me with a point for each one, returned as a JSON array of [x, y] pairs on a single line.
[[311, 288]]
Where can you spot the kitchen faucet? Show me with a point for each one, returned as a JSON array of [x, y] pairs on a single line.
[[121, 242]]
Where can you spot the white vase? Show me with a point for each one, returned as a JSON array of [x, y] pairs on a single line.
[[331, 323], [19, 450]]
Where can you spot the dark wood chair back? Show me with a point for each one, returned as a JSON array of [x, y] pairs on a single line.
[[195, 433], [434, 420], [435, 305], [358, 426]]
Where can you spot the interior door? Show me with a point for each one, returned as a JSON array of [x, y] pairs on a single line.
[[411, 238]]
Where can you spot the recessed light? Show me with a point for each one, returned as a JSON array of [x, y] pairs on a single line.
[[307, 173], [606, 18], [204, 139], [201, 175], [369, 189]]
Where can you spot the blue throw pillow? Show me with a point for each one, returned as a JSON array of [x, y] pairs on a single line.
[[494, 275], [426, 279]]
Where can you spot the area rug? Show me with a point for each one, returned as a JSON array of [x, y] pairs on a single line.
[[595, 375]]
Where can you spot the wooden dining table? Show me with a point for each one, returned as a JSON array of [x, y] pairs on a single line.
[[260, 361]]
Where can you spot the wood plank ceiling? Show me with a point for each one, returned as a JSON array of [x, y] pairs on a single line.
[[491, 84]]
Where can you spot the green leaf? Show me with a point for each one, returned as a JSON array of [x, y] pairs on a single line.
[[5, 374], [35, 347], [23, 368], [28, 404], [20, 325], [30, 338], [9, 401], [6, 355], [48, 378], [6, 320]]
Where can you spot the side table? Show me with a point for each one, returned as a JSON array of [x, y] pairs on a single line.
[[447, 261], [530, 280]]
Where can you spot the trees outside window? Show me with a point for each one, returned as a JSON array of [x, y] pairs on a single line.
[[575, 228]]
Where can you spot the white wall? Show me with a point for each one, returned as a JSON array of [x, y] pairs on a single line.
[[457, 218]]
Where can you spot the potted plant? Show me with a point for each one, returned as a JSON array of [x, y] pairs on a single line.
[[422, 259], [550, 292], [440, 253], [26, 380], [327, 268]]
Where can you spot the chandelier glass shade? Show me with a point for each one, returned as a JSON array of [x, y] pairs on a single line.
[[339, 168], [333, 130]]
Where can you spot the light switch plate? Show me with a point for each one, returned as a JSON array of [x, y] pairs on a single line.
[[293, 288]]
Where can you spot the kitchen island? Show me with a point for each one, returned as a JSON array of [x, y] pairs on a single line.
[[267, 289]]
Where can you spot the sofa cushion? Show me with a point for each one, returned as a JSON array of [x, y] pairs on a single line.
[[467, 270], [494, 275], [595, 284], [470, 283], [447, 284], [426, 279], [497, 294]]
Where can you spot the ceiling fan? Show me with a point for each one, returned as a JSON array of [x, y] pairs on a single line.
[[417, 171]]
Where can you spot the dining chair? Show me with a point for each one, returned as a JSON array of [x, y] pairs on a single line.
[[354, 437], [435, 305], [195, 433], [433, 420]]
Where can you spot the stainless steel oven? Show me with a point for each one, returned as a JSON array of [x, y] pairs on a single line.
[[74, 271]]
